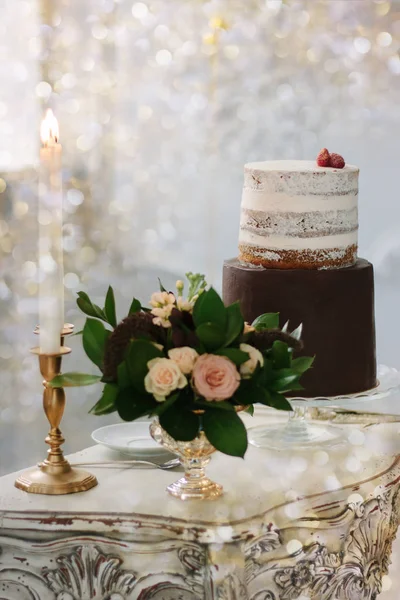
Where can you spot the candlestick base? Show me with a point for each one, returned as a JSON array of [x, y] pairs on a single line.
[[55, 479]]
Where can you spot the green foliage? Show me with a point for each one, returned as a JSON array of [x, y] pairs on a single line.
[[94, 338], [162, 288], [266, 321], [163, 406], [106, 314], [281, 354], [73, 380], [123, 378], [180, 423], [279, 402], [210, 335], [106, 404], [209, 308], [235, 323], [206, 404], [284, 384], [226, 432], [132, 404], [134, 307], [89, 308], [109, 308], [302, 364], [235, 355], [140, 352]]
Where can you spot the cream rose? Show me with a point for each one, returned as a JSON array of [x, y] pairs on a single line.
[[163, 378], [247, 368], [184, 357], [215, 377]]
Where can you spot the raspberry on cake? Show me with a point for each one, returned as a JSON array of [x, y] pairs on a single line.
[[324, 158], [337, 161]]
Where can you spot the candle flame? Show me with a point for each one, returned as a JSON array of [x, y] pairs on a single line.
[[49, 129]]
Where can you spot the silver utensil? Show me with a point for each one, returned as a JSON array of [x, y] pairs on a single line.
[[169, 464]]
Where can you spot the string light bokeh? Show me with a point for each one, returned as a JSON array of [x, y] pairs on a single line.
[[160, 103]]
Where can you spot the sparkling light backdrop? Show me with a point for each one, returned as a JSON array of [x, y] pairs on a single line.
[[160, 103]]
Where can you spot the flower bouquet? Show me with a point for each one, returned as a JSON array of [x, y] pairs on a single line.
[[192, 363]]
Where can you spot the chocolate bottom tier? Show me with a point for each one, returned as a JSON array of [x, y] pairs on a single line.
[[336, 308]]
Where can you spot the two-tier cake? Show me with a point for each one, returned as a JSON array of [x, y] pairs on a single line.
[[298, 257]]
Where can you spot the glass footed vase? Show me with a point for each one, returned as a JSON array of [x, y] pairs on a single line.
[[194, 457]]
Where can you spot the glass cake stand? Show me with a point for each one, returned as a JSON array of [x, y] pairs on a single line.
[[299, 432]]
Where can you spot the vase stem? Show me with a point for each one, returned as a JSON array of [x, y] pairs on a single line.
[[195, 469]]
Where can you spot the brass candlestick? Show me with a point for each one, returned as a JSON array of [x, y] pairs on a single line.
[[54, 475]]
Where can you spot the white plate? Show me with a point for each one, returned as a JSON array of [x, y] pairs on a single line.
[[131, 438]]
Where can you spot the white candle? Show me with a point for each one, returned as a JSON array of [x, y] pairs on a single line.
[[51, 271]]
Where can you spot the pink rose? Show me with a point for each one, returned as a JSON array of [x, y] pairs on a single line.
[[215, 377]]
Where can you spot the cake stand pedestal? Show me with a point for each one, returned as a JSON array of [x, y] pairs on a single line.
[[299, 432]]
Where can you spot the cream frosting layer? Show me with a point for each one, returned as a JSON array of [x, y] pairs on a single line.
[[283, 202], [283, 242]]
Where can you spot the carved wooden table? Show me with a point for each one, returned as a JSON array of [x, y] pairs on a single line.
[[311, 525]]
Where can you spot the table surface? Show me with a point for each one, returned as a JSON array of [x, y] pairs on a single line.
[[266, 479]]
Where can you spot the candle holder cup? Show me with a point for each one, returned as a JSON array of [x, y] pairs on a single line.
[[54, 475]]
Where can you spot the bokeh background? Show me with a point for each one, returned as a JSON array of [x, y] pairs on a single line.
[[160, 103]]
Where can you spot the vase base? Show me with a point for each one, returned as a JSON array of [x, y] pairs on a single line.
[[203, 489], [296, 435]]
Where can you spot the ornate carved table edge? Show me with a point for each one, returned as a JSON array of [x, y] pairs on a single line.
[[201, 531]]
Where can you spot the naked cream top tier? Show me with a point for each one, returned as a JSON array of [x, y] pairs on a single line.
[[297, 215]]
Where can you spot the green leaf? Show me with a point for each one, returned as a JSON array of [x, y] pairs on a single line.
[[279, 402], [131, 404], [245, 392], [213, 405], [140, 352], [162, 288], [106, 404], [123, 376], [235, 324], [266, 321], [302, 364], [250, 392], [181, 424], [90, 309], [209, 308], [296, 387], [284, 384], [94, 340], [250, 410], [135, 307], [235, 355], [73, 380], [281, 354], [226, 432], [109, 307], [163, 406], [211, 335]]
